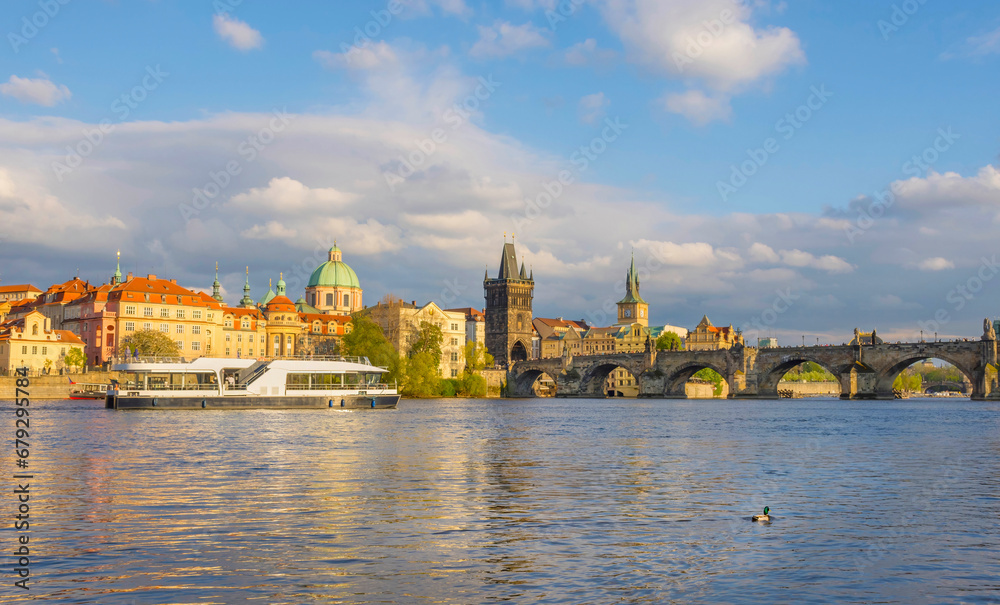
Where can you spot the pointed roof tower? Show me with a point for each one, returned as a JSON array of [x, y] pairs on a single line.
[[267, 297], [632, 285], [117, 277], [216, 286], [246, 302], [280, 291]]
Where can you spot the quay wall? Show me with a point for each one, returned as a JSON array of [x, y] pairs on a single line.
[[808, 389], [51, 387]]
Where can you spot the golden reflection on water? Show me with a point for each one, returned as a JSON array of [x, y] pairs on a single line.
[[456, 502]]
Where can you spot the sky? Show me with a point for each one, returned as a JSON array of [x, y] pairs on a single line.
[[795, 169]]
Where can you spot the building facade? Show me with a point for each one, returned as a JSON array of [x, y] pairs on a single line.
[[401, 322], [334, 287], [706, 337], [508, 310], [32, 342]]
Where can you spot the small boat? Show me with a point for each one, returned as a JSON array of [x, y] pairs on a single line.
[[87, 390], [228, 383]]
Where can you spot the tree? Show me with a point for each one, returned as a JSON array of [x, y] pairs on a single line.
[[669, 341], [477, 357], [710, 375], [75, 358], [428, 340], [472, 385], [422, 376], [149, 343], [367, 340]]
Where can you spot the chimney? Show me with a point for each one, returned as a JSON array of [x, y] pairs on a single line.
[[150, 277], [129, 276], [414, 303], [173, 281]]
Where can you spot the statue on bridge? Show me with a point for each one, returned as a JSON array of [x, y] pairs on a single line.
[[988, 332]]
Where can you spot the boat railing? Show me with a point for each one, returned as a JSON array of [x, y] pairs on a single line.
[[380, 386], [131, 386], [148, 359]]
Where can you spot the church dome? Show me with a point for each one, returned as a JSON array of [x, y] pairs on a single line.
[[334, 272]]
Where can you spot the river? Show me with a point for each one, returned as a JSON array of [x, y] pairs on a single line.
[[526, 501]]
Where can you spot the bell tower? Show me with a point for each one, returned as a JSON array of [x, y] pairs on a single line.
[[632, 309], [508, 309]]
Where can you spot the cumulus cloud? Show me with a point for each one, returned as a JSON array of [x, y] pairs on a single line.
[[712, 40], [285, 195], [38, 91], [593, 107], [370, 57], [237, 33], [698, 107], [935, 264], [587, 53], [503, 39]]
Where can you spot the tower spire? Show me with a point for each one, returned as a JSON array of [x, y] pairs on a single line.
[[216, 286], [246, 301], [117, 277]]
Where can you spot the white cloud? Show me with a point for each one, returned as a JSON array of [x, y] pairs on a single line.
[[935, 264], [712, 40], [762, 253], [288, 196], [237, 33], [39, 91], [370, 57], [503, 39], [592, 107], [271, 230], [699, 108], [588, 53], [951, 189]]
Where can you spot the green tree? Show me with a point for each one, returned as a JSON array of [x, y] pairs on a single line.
[[75, 358], [428, 340], [669, 341], [710, 375], [423, 377], [473, 385], [477, 357], [367, 340], [149, 343]]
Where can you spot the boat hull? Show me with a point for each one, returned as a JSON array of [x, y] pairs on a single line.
[[352, 402]]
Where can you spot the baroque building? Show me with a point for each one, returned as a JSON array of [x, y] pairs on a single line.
[[509, 330], [400, 322], [334, 287]]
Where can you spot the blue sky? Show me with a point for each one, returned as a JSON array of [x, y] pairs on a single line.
[[699, 89]]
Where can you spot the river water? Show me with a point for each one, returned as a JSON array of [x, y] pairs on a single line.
[[527, 501]]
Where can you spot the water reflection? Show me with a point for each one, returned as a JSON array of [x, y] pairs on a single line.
[[541, 500]]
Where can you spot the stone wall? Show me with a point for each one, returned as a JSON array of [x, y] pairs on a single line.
[[51, 387], [811, 389]]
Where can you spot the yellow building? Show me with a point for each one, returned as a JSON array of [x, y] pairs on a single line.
[[400, 322], [18, 292], [706, 337], [31, 342]]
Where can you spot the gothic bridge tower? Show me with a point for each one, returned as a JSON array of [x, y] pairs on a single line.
[[508, 310]]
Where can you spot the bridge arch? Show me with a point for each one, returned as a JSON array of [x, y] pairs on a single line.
[[675, 384], [771, 377], [888, 375], [522, 384], [594, 380]]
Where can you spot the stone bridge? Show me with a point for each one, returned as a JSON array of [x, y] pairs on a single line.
[[864, 371]]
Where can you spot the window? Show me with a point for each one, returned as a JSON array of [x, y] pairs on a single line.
[[180, 313], [210, 316], [196, 346], [165, 328], [329, 300], [246, 324], [316, 328], [228, 337], [45, 350], [34, 350], [24, 350], [163, 298], [229, 323], [454, 373], [147, 326], [262, 341], [164, 312], [251, 352], [227, 352], [239, 338], [180, 345], [34, 330], [146, 297], [196, 314], [85, 326], [454, 341], [347, 300], [454, 327], [196, 329], [454, 356], [130, 326], [147, 311], [180, 329]]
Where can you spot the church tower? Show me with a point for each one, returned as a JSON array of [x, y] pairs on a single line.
[[632, 309], [508, 309]]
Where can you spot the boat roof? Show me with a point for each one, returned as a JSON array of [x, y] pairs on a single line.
[[214, 364]]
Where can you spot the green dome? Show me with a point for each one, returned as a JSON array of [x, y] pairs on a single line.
[[334, 273]]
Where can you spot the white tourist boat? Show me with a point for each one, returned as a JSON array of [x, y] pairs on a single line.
[[225, 383]]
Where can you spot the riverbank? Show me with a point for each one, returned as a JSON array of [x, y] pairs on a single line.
[[52, 387]]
